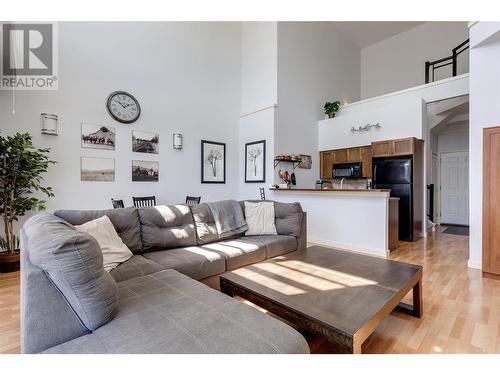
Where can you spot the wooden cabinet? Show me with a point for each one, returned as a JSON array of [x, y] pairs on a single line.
[[403, 146], [325, 164], [345, 155], [393, 223], [340, 156], [354, 155], [366, 159], [491, 201], [394, 147], [382, 148]]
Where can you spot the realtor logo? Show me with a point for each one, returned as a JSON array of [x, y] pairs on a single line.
[[29, 56]]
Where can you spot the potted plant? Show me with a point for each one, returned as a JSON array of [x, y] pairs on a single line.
[[21, 169], [331, 108]]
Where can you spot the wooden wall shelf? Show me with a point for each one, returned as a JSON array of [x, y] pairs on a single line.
[[295, 163]]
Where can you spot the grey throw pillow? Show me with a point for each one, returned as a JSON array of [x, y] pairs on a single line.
[[73, 262]]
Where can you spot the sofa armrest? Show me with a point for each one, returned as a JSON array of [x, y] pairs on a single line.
[[302, 238]]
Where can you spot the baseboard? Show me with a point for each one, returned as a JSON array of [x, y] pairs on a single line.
[[475, 265], [365, 251]]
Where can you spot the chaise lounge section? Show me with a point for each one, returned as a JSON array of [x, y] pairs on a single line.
[[159, 304]]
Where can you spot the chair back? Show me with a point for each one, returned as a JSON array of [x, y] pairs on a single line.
[[262, 194], [144, 201], [192, 200], [117, 203]]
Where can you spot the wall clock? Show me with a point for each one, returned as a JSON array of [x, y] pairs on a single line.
[[123, 107]]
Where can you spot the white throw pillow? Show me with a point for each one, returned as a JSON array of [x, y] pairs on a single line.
[[260, 218], [114, 251]]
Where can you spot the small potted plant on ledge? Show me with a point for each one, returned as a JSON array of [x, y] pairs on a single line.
[[331, 108], [21, 169]]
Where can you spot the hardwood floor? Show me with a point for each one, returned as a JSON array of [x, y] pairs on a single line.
[[9, 313], [461, 308]]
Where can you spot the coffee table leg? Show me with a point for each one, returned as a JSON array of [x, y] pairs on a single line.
[[416, 309], [356, 347]]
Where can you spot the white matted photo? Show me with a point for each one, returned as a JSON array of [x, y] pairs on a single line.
[[255, 161], [145, 170], [213, 162], [145, 142], [100, 137], [97, 169]]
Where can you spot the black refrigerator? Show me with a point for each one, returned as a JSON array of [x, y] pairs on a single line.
[[397, 175]]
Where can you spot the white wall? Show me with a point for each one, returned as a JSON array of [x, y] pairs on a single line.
[[399, 114], [398, 62], [186, 77], [484, 112], [259, 96], [454, 140], [259, 48], [316, 63]]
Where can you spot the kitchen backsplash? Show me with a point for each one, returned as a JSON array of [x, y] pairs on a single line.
[[350, 184]]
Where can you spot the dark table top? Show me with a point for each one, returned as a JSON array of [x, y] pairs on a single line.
[[340, 289]]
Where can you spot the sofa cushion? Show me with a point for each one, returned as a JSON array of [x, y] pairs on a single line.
[[288, 217], [206, 230], [135, 267], [114, 251], [260, 218], [73, 262], [166, 227], [195, 262], [125, 221], [274, 245], [238, 252], [167, 312]]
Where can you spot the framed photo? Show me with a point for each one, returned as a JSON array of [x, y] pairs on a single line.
[[145, 170], [100, 137], [305, 161], [255, 161], [213, 162], [97, 169], [145, 142]]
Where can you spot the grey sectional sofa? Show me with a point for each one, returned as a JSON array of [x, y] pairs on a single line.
[[154, 302]]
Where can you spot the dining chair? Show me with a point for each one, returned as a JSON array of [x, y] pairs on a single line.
[[192, 200], [262, 194], [117, 203], [144, 201]]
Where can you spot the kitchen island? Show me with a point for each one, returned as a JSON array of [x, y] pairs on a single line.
[[350, 219]]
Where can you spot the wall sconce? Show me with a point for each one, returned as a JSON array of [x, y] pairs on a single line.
[[177, 141], [49, 124]]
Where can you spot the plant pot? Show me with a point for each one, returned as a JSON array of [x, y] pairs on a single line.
[[10, 263], [331, 115]]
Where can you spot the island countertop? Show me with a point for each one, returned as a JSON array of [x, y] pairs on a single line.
[[356, 190], [344, 192], [349, 219]]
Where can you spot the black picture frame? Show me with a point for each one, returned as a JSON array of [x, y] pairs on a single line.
[[204, 180], [263, 142]]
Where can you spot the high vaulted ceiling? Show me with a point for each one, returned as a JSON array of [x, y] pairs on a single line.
[[448, 114], [367, 33]]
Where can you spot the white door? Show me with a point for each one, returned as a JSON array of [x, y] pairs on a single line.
[[455, 188]]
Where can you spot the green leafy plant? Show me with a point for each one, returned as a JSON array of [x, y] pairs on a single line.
[[332, 107], [21, 169]]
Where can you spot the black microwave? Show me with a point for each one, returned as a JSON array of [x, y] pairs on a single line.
[[347, 170]]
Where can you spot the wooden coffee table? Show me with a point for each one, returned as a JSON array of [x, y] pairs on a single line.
[[340, 295]]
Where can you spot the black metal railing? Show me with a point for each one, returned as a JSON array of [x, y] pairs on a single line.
[[432, 66]]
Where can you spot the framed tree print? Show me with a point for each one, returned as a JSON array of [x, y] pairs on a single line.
[[213, 162], [255, 161]]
